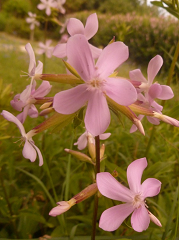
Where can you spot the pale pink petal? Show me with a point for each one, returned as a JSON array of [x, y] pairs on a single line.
[[111, 188], [61, 208], [82, 141], [33, 112], [39, 154], [155, 90], [166, 93], [157, 106], [111, 57], [134, 127], [91, 26], [32, 62], [42, 90], [49, 52], [39, 68], [97, 118], [71, 100], [136, 75], [121, 91], [41, 51], [22, 116], [80, 57], [41, 6], [151, 187], [134, 174], [113, 217], [16, 103], [48, 11], [104, 136], [75, 26], [140, 219], [95, 51], [153, 120], [153, 68], [11, 118], [29, 152], [60, 50]]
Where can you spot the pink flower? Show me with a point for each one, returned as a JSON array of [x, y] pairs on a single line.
[[59, 6], [47, 5], [45, 48], [151, 90], [97, 83], [134, 198], [86, 136], [27, 101], [32, 20], [29, 151], [75, 26]]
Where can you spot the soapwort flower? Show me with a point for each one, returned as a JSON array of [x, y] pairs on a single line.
[[32, 20], [46, 48], [75, 26], [97, 83], [30, 150], [47, 5], [134, 198]]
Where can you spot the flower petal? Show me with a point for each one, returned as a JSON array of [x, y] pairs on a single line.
[[151, 187], [61, 208], [95, 51], [60, 50], [136, 75], [166, 93], [32, 62], [75, 26], [104, 136], [39, 68], [111, 188], [42, 90], [140, 219], [97, 118], [153, 68], [11, 118], [33, 112], [121, 91], [111, 57], [82, 141], [153, 120], [91, 26], [113, 217], [155, 90], [134, 174], [29, 152], [80, 57], [71, 100], [39, 154]]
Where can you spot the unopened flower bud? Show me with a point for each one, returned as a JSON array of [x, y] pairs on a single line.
[[46, 105], [139, 125], [166, 119], [46, 111], [86, 193], [115, 173], [154, 219], [62, 207], [91, 146], [81, 156], [102, 150]]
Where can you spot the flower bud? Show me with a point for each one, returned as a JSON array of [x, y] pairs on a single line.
[[86, 193], [62, 207], [166, 119], [91, 146], [102, 150], [46, 111], [154, 219], [81, 156], [46, 105]]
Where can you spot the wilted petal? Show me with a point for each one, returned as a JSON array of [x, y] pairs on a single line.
[[136, 75], [29, 152], [71, 100], [111, 188], [153, 68], [113, 217], [140, 219], [134, 174], [80, 57], [60, 50], [91, 26], [166, 93], [111, 57], [97, 116], [75, 26], [151, 187], [121, 91], [61, 208]]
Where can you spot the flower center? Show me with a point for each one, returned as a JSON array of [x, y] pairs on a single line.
[[137, 200], [144, 87], [96, 84]]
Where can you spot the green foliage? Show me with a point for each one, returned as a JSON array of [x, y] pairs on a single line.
[[17, 8], [3, 20]]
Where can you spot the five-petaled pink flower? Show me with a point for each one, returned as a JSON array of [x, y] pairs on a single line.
[[30, 150], [75, 26], [97, 83], [46, 48], [134, 198], [47, 5], [32, 20]]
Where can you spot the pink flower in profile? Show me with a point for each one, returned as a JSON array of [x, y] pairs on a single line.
[[134, 198], [151, 90], [75, 26], [27, 101], [97, 83], [32, 20], [47, 5], [30, 150], [86, 136], [46, 48]]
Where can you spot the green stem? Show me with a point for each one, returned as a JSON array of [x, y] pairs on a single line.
[[97, 170], [8, 204], [150, 141]]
